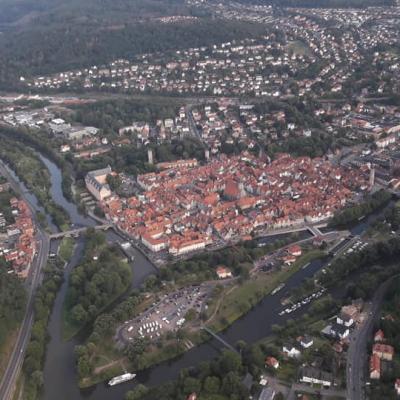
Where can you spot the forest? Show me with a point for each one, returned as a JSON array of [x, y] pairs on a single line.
[[31, 170], [12, 303], [370, 204], [133, 160], [111, 10], [220, 379], [110, 115], [324, 3], [48, 48], [39, 141], [94, 284]]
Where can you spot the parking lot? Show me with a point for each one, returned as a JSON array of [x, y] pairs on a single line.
[[166, 315], [358, 245]]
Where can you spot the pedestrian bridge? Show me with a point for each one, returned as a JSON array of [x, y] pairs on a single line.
[[78, 231], [219, 338]]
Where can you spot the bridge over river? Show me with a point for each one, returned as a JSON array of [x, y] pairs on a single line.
[[219, 338], [78, 231]]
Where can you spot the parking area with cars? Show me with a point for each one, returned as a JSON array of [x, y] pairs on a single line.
[[358, 245], [166, 315]]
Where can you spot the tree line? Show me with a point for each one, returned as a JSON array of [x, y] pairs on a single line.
[[36, 350], [95, 283], [324, 3], [220, 379], [369, 205], [12, 302], [48, 48], [110, 115]]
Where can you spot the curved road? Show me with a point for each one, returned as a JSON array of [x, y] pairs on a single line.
[[7, 384]]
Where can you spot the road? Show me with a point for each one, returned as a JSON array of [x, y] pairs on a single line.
[[7, 384], [332, 392], [357, 352], [192, 124]]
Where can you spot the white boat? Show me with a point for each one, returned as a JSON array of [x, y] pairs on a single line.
[[121, 378]]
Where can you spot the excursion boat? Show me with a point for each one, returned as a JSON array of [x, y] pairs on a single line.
[[121, 378]]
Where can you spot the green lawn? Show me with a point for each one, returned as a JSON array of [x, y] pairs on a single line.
[[287, 371], [240, 300], [66, 248]]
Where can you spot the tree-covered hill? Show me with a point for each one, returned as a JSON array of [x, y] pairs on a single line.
[[62, 46], [25, 12], [323, 3]]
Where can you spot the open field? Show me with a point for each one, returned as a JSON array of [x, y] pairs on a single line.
[[240, 300]]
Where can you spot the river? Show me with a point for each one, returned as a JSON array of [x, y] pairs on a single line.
[[60, 379]]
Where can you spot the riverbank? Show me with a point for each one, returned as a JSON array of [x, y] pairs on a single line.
[[232, 303], [101, 279], [30, 169], [238, 300], [60, 371]]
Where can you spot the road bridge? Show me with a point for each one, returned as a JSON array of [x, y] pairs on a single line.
[[219, 338], [78, 231]]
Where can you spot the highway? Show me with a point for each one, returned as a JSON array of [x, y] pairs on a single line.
[[8, 382], [357, 357]]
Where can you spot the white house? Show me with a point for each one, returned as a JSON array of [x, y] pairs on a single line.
[[397, 386], [344, 319], [306, 342], [339, 331], [291, 351]]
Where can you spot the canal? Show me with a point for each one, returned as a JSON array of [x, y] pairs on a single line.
[[60, 379]]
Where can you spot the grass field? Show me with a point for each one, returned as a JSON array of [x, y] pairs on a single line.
[[66, 248], [240, 300]]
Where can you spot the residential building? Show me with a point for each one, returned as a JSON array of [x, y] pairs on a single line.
[[383, 351], [267, 394], [374, 367], [291, 351], [315, 376], [345, 320], [223, 272], [272, 362]]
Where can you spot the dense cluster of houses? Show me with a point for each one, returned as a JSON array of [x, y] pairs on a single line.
[[17, 242], [225, 69], [381, 353], [308, 57], [185, 207], [312, 372]]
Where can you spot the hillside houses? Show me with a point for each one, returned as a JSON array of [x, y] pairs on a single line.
[[19, 246]]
